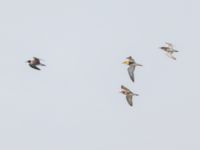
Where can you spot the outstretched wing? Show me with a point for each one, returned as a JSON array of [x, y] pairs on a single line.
[[171, 56], [170, 45], [34, 67], [131, 70], [124, 88], [129, 99], [36, 60]]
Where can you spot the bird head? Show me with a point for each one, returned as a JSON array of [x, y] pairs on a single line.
[[28, 61], [126, 62], [162, 48], [122, 92]]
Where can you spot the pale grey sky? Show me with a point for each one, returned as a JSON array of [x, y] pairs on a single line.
[[74, 103]]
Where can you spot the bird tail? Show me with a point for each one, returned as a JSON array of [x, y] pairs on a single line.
[[42, 64], [139, 65], [175, 50]]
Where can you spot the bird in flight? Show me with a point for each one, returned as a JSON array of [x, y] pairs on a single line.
[[35, 62], [129, 94], [132, 64], [169, 50]]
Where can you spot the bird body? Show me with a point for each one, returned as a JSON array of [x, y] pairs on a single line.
[[34, 63], [169, 50], [129, 94], [132, 64]]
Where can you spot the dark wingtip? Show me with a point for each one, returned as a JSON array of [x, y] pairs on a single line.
[[132, 79], [131, 105], [129, 57]]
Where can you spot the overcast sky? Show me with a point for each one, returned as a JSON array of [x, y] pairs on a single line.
[[74, 103]]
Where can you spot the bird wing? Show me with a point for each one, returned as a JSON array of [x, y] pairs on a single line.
[[129, 99], [34, 67], [36, 60], [125, 88], [171, 56], [129, 57], [169, 45], [131, 69]]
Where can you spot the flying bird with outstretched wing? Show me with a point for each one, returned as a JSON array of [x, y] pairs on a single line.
[[129, 94], [169, 50], [35, 62], [132, 64]]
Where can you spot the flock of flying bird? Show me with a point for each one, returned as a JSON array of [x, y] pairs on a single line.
[[168, 49]]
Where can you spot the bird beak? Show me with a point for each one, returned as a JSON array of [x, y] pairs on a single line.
[[125, 62]]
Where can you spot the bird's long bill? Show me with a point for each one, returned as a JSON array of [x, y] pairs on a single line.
[[125, 62]]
